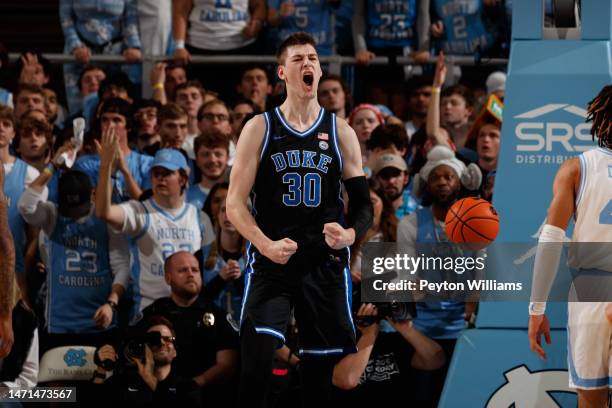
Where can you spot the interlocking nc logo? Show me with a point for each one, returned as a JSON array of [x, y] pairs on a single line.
[[571, 134], [75, 357], [526, 389]]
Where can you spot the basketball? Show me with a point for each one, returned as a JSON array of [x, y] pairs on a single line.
[[473, 221]]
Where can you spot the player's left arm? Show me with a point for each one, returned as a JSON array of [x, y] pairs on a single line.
[[360, 206], [548, 253]]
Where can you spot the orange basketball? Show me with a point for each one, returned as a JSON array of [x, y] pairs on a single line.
[[473, 221]]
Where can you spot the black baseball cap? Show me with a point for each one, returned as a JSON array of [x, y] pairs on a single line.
[[74, 191]]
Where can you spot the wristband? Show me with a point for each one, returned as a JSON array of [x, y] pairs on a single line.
[[112, 304], [159, 85], [98, 375], [537, 308], [179, 44], [49, 170], [435, 89]]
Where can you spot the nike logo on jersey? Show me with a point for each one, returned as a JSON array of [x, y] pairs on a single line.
[[301, 158]]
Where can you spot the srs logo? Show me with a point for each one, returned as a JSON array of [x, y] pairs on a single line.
[[527, 389], [554, 134]]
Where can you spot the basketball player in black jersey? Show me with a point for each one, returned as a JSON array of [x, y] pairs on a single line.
[[293, 160]]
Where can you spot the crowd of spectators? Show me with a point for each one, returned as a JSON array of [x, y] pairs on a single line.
[[157, 150]]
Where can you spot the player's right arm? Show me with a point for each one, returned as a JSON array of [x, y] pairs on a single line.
[[7, 274], [242, 179], [550, 245], [109, 151]]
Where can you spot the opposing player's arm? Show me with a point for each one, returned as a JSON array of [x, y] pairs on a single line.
[[360, 206], [565, 189], [7, 273], [548, 253]]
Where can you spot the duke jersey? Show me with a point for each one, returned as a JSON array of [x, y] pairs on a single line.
[[163, 235], [464, 27], [391, 23], [311, 16], [298, 183], [80, 279], [14, 185], [593, 212]]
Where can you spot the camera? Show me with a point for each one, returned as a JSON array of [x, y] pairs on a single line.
[[135, 348], [392, 309]]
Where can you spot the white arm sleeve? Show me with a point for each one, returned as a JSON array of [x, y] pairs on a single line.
[[119, 258], [36, 211], [548, 256], [135, 217]]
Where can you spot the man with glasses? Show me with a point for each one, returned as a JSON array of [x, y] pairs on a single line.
[[206, 342], [150, 379], [214, 115]]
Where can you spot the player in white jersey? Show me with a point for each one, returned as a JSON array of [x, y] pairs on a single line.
[[160, 226], [583, 188]]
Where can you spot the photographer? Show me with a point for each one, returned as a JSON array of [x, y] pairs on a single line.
[[148, 378], [384, 361]]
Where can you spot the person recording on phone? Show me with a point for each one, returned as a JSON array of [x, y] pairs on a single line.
[[146, 378], [384, 361]]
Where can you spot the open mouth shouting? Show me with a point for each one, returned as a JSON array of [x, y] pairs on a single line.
[[308, 79]]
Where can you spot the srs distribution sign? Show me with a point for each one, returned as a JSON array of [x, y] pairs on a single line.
[[550, 134]]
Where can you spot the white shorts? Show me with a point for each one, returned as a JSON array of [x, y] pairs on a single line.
[[589, 346]]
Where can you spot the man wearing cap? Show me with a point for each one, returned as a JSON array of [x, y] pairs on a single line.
[[392, 172], [84, 285], [441, 179], [160, 225]]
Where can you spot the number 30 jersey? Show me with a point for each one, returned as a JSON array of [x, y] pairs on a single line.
[[298, 183]]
